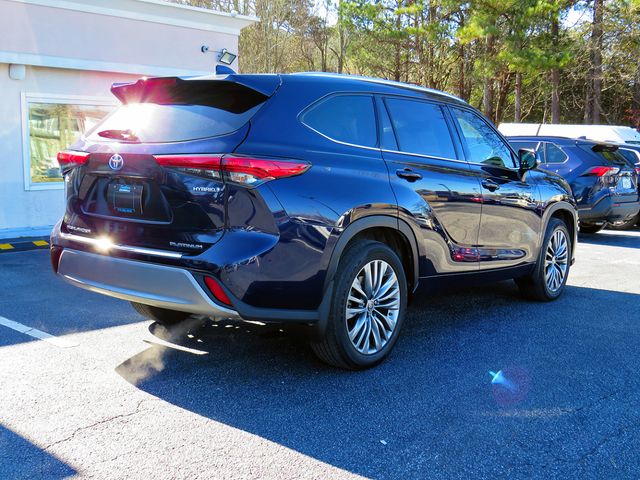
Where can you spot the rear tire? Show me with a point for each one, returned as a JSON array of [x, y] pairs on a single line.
[[162, 316], [549, 277], [367, 308], [626, 225], [591, 227]]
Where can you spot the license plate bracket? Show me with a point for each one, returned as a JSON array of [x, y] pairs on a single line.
[[125, 198]]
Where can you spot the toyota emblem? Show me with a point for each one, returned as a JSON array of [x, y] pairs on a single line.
[[116, 162]]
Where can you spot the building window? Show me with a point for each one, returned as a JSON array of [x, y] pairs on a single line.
[[52, 124]]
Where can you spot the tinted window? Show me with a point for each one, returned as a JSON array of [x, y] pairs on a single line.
[[483, 143], [554, 154], [151, 123], [607, 154], [166, 111], [535, 146], [528, 145], [346, 118], [420, 127], [630, 155]]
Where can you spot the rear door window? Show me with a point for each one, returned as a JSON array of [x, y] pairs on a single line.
[[554, 154], [535, 146], [528, 145], [344, 118], [421, 128]]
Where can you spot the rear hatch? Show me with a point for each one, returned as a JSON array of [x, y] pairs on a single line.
[[151, 174], [616, 172]]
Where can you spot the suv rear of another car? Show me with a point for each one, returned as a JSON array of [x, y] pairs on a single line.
[[603, 181], [318, 200]]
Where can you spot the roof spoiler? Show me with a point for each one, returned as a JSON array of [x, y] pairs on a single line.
[[604, 147], [166, 89]]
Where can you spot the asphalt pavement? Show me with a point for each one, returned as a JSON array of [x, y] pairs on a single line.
[[482, 384]]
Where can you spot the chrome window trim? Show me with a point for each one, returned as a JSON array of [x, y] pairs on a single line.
[[327, 97], [121, 248], [339, 141], [422, 155], [398, 152], [378, 149]]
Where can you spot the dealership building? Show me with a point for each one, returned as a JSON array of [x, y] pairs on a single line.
[[58, 59]]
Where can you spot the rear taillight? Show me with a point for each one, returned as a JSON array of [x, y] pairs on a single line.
[[602, 171], [207, 166], [68, 159], [207, 162], [252, 171], [243, 170], [638, 170]]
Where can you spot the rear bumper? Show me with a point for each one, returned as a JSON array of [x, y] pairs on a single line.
[[147, 283], [609, 210]]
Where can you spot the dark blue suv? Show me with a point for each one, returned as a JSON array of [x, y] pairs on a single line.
[[604, 182], [314, 199]]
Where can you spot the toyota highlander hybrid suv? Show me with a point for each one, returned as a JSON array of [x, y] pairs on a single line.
[[313, 199]]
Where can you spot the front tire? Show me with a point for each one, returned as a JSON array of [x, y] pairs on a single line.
[[549, 277], [162, 316], [367, 309]]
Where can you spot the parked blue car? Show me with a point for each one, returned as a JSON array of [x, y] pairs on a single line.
[[603, 181], [314, 199]]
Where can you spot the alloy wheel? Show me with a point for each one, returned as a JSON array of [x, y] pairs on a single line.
[[373, 307], [556, 261]]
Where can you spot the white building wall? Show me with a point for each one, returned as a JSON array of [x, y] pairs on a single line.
[[77, 49], [22, 210]]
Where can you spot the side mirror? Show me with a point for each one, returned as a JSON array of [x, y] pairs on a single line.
[[528, 159]]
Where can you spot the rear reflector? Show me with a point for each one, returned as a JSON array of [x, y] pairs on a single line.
[[243, 170], [68, 159], [56, 253], [602, 171], [217, 291]]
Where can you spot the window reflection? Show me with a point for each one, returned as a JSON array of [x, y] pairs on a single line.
[[483, 144], [53, 127]]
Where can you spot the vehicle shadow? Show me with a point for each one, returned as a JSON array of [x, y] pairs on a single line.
[[612, 239], [431, 409], [19, 459]]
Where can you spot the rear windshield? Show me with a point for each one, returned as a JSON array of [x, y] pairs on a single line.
[[629, 155], [184, 112], [613, 157]]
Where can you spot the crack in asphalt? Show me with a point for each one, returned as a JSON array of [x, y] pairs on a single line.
[[95, 424], [557, 460]]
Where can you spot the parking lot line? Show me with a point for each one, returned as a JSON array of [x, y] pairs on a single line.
[[35, 333]]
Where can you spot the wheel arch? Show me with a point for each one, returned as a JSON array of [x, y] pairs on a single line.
[[390, 230], [568, 214]]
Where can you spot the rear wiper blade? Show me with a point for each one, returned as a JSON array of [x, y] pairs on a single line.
[[126, 135]]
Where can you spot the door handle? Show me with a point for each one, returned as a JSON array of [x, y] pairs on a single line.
[[490, 185], [408, 175]]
